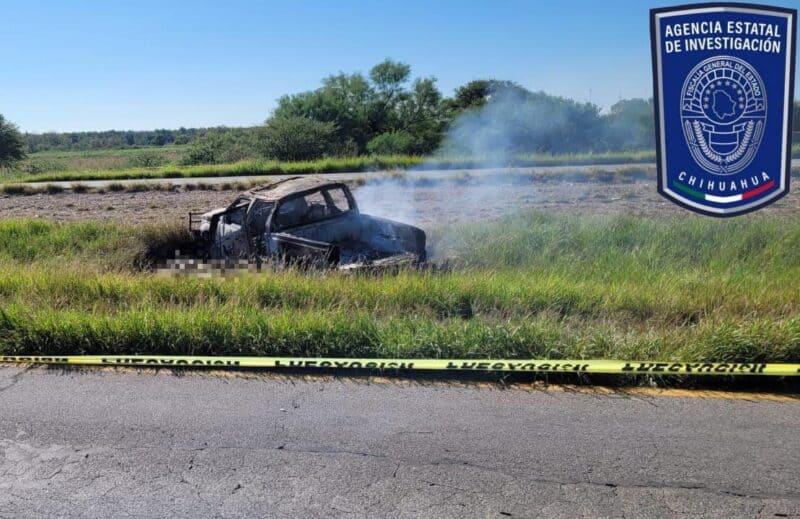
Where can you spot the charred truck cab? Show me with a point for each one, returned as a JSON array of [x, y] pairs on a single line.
[[305, 220]]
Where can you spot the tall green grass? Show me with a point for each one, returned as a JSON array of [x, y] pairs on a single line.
[[125, 164], [214, 330], [330, 165], [98, 160], [102, 246], [530, 285]]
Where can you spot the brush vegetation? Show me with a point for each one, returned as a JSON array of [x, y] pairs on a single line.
[[627, 174], [327, 165], [53, 161], [531, 285]]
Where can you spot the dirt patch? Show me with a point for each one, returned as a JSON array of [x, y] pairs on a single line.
[[133, 208], [428, 204]]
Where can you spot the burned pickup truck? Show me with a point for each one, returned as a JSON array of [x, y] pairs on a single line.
[[304, 220]]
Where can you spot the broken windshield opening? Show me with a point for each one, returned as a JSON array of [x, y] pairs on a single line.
[[311, 208], [338, 200]]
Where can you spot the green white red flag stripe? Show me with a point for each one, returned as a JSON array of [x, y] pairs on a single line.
[[723, 199]]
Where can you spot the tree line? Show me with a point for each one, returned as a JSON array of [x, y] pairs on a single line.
[[387, 111]]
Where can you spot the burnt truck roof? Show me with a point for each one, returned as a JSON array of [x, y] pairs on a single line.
[[283, 188]]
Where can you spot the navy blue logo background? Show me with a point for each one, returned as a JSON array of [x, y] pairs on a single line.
[[723, 85]]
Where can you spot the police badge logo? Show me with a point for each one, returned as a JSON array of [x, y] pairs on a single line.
[[723, 78], [723, 114]]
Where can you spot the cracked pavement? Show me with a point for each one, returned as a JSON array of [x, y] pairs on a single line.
[[99, 443]]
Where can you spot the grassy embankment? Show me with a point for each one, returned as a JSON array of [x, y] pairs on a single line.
[[166, 162], [54, 161], [530, 286], [104, 170], [625, 174]]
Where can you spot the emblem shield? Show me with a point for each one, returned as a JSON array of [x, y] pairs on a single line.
[[723, 78]]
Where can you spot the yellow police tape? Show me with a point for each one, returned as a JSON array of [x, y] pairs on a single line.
[[614, 367]]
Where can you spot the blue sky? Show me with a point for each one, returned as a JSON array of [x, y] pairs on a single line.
[[155, 64]]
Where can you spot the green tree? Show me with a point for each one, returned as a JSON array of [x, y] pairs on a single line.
[[388, 80], [389, 77], [423, 115], [12, 145], [362, 108], [476, 93], [147, 159], [796, 118], [296, 138], [630, 125], [221, 146], [398, 142], [343, 100]]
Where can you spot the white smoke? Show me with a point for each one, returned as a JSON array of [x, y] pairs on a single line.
[[509, 123], [490, 137]]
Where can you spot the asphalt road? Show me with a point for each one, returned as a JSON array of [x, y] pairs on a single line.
[[144, 444]]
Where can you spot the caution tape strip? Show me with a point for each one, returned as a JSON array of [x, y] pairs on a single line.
[[612, 367]]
